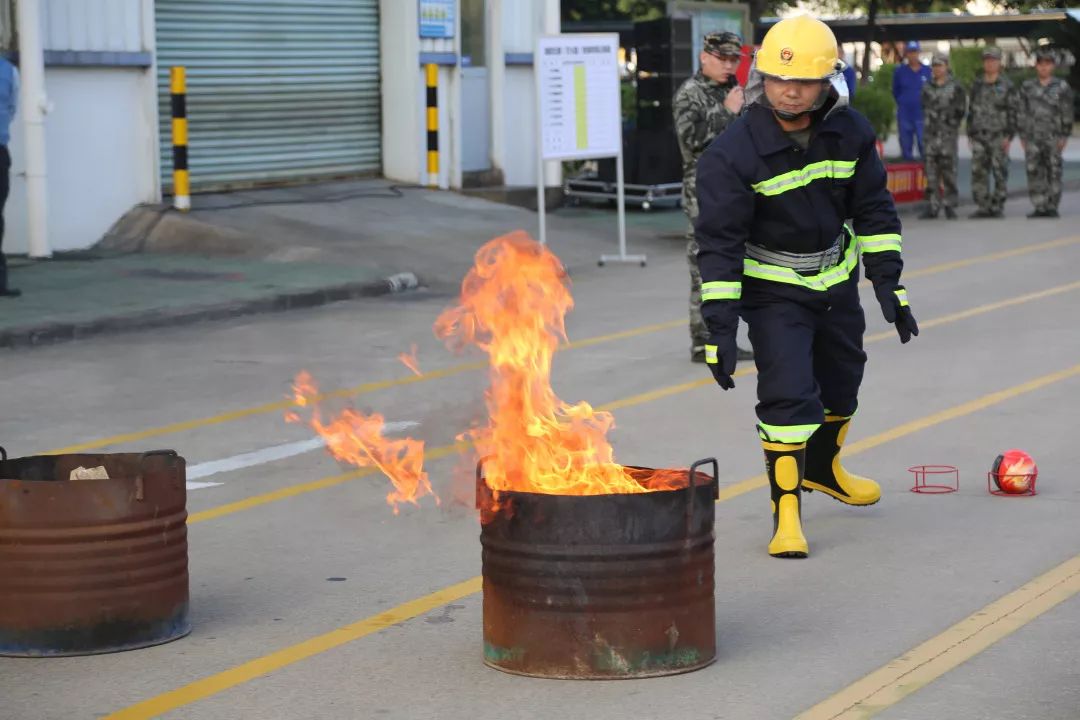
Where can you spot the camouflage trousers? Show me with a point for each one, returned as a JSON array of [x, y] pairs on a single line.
[[941, 180], [699, 334], [1043, 160], [989, 160]]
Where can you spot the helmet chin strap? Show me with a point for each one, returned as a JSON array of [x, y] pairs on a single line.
[[789, 116]]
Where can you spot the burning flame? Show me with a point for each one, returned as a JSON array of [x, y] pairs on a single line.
[[513, 307], [409, 360], [356, 438]]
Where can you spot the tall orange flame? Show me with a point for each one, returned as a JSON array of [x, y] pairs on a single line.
[[513, 307], [356, 438]]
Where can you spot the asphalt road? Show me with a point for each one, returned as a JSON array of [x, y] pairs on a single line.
[[920, 578]]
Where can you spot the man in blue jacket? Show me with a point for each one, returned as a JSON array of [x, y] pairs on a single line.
[[907, 82], [774, 192], [9, 91]]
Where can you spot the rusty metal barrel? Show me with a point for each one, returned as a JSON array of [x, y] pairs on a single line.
[[600, 586], [92, 565]]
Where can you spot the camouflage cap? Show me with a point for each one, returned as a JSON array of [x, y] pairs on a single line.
[[992, 51], [1045, 52], [722, 44], [939, 58]]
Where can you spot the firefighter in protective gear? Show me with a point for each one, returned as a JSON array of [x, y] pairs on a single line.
[[774, 192]]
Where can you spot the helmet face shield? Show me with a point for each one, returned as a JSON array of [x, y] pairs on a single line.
[[832, 85]]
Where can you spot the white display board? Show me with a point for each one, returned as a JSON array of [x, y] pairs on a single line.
[[579, 100]]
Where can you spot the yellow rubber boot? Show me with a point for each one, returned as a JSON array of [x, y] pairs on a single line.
[[824, 472], [784, 464]]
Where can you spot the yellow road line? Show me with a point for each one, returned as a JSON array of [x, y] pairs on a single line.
[[640, 399], [201, 689], [367, 388], [992, 257], [917, 668], [256, 668]]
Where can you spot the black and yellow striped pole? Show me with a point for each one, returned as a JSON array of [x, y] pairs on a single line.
[[181, 179], [432, 73]]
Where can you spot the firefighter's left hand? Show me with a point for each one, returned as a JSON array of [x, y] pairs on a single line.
[[895, 308]]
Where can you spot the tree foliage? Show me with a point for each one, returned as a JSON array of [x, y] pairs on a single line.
[[579, 10]]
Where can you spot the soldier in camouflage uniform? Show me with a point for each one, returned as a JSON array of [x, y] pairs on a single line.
[[1045, 117], [991, 125], [944, 104], [703, 107]]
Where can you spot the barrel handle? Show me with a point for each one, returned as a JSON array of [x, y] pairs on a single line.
[[691, 486], [140, 486]]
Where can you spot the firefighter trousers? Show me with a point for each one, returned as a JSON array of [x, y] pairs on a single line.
[[808, 348]]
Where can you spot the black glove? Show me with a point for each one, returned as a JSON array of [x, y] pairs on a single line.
[[720, 356], [894, 306]]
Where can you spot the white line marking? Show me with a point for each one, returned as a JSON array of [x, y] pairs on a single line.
[[201, 485], [266, 455]]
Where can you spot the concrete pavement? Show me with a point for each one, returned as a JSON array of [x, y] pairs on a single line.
[[996, 301]]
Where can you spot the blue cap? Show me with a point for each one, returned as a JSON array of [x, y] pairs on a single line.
[[912, 45]]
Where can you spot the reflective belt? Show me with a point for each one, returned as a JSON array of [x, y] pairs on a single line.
[[800, 262], [820, 281]]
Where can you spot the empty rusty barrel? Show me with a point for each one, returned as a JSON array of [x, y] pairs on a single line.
[[600, 586], [94, 565]]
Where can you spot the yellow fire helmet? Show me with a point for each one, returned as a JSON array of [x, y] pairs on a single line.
[[799, 48]]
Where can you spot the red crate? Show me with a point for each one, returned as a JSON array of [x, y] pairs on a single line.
[[907, 181]]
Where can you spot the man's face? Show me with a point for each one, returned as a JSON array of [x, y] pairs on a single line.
[[940, 71], [793, 96], [991, 65], [719, 68], [1044, 68], [913, 57]]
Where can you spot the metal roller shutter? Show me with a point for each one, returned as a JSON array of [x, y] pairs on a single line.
[[278, 90]]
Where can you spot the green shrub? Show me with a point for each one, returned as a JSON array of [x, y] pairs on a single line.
[[882, 78], [878, 106], [965, 63]]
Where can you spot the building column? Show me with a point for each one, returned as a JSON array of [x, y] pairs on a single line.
[[496, 52], [403, 154], [552, 26]]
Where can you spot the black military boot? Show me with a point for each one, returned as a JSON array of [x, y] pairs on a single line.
[[784, 464], [824, 472], [928, 214], [950, 213]]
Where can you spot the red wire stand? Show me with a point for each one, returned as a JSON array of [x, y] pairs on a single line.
[[935, 479], [994, 488]]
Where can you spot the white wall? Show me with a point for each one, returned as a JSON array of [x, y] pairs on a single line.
[[523, 22], [101, 137], [97, 164], [519, 116]]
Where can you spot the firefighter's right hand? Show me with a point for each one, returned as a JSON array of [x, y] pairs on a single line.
[[720, 356]]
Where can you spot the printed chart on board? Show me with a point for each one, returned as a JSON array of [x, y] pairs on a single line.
[[579, 96]]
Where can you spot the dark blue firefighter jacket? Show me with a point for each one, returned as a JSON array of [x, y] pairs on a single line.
[[755, 184]]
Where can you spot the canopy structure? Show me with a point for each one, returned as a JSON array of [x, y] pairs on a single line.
[[939, 26]]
